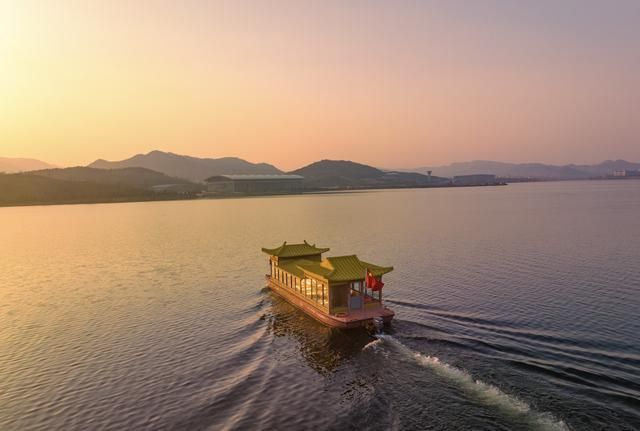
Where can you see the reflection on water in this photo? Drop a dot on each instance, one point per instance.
(323, 348)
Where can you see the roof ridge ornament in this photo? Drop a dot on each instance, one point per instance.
(295, 250)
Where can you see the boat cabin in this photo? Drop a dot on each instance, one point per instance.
(336, 286)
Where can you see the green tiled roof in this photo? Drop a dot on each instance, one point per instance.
(335, 269)
(348, 268)
(295, 250)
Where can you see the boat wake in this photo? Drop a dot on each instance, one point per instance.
(373, 344)
(484, 393)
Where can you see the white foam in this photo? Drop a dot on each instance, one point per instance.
(373, 344)
(483, 392)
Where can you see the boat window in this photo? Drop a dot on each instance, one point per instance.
(322, 293)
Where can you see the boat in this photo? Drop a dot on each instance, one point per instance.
(339, 291)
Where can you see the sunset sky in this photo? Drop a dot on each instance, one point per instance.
(388, 83)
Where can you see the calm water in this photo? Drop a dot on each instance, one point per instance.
(517, 309)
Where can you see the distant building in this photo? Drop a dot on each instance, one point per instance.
(254, 184)
(626, 173)
(474, 180)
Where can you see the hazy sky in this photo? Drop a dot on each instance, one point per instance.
(389, 83)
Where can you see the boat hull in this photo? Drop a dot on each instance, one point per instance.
(352, 320)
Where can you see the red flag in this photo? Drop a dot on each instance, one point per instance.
(373, 283)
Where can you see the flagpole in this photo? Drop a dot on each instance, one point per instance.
(366, 283)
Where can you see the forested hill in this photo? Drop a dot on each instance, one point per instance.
(334, 174)
(85, 185)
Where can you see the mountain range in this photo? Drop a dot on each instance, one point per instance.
(11, 165)
(160, 175)
(344, 173)
(187, 167)
(530, 170)
(198, 169)
(89, 184)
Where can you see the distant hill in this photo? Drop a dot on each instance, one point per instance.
(333, 174)
(134, 177)
(187, 167)
(88, 185)
(338, 168)
(11, 165)
(29, 189)
(530, 170)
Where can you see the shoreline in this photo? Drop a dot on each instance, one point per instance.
(302, 193)
(239, 195)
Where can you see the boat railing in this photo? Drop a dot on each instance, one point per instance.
(298, 293)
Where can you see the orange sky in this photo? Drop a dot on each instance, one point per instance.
(393, 84)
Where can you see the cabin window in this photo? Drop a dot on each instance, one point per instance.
(316, 288)
(322, 294)
(307, 287)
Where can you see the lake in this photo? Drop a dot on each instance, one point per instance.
(517, 308)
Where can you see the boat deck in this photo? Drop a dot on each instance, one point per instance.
(353, 319)
(365, 315)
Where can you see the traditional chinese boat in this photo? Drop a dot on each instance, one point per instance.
(339, 291)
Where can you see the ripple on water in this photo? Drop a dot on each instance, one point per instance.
(151, 315)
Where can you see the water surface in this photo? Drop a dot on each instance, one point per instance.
(517, 309)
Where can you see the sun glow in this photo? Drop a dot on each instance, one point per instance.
(385, 85)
